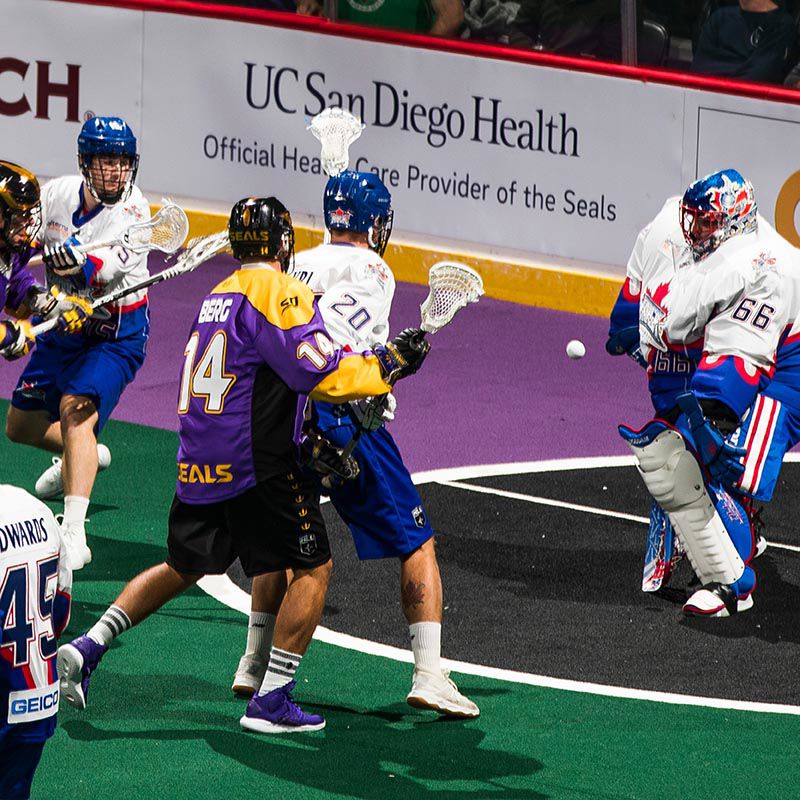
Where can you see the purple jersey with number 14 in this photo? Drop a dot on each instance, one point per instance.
(257, 348)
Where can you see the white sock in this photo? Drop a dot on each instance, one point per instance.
(109, 626)
(426, 644)
(281, 669)
(75, 509)
(259, 633)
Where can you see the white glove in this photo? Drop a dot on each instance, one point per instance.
(374, 412)
(64, 259)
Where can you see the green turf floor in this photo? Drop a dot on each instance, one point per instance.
(161, 722)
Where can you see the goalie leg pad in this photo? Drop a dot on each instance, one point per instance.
(674, 479)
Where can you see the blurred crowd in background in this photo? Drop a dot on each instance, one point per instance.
(748, 40)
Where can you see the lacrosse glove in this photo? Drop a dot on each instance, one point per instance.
(15, 340)
(722, 459)
(374, 411)
(324, 458)
(64, 259)
(74, 312)
(404, 355)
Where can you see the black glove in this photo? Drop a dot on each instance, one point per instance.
(64, 259)
(404, 355)
(324, 458)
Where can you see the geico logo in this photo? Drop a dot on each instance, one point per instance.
(32, 705)
(14, 102)
(202, 473)
(215, 310)
(785, 207)
(249, 236)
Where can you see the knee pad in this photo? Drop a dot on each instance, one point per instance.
(674, 479)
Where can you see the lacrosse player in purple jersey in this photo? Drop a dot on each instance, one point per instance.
(71, 385)
(381, 505)
(20, 296)
(257, 350)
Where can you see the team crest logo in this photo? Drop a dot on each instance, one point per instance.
(379, 270)
(340, 217)
(419, 517)
(652, 315)
(764, 261)
(308, 544)
(28, 389)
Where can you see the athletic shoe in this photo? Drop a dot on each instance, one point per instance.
(716, 600)
(50, 486)
(73, 538)
(761, 546)
(249, 674)
(276, 712)
(76, 662)
(437, 692)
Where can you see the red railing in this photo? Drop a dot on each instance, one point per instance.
(464, 47)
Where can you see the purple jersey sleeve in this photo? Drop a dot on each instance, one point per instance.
(16, 283)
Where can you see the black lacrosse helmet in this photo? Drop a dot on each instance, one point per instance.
(19, 207)
(261, 227)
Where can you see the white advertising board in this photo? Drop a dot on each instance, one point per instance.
(483, 151)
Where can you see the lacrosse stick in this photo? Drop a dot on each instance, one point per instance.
(451, 287)
(165, 231)
(336, 130)
(197, 252)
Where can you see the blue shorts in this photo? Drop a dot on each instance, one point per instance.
(770, 429)
(381, 506)
(63, 365)
(18, 762)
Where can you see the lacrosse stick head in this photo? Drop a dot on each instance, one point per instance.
(451, 287)
(166, 231)
(200, 249)
(336, 130)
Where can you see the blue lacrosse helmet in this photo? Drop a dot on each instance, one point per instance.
(715, 208)
(359, 201)
(108, 136)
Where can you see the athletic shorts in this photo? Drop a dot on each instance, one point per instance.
(274, 525)
(18, 762)
(381, 507)
(770, 429)
(99, 370)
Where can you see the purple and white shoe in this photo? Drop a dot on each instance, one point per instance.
(76, 662)
(276, 712)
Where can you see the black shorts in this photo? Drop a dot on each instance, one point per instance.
(273, 526)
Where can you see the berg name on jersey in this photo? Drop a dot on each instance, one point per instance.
(22, 534)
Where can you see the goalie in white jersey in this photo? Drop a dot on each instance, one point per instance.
(35, 597)
(66, 394)
(713, 319)
(380, 505)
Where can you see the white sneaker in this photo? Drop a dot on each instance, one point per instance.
(249, 675)
(78, 553)
(50, 486)
(716, 600)
(437, 692)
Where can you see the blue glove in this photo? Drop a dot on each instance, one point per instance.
(722, 459)
(64, 259)
(626, 340)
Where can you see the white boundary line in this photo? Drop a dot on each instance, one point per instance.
(228, 593)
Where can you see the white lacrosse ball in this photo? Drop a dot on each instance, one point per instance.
(576, 349)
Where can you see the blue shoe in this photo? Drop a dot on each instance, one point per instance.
(276, 712)
(76, 663)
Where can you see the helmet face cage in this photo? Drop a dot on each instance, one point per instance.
(261, 227)
(715, 208)
(19, 206)
(359, 201)
(108, 159)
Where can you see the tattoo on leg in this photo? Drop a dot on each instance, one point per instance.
(413, 594)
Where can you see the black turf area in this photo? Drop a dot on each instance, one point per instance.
(557, 592)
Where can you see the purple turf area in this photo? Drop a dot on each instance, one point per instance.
(497, 386)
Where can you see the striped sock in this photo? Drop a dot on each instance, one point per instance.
(281, 669)
(109, 626)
